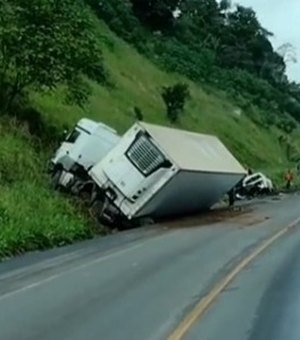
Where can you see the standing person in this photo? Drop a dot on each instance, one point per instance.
(289, 177)
(231, 196)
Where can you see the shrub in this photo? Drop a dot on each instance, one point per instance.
(44, 46)
(138, 113)
(175, 98)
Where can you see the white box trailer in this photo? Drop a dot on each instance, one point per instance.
(157, 171)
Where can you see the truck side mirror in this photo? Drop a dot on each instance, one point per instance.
(65, 133)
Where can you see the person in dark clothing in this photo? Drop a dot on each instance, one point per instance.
(231, 196)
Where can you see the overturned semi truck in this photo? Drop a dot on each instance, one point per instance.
(155, 172)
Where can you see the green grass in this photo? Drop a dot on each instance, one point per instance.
(34, 217)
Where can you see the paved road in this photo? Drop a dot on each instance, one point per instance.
(262, 303)
(139, 285)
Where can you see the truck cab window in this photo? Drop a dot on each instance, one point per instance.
(73, 136)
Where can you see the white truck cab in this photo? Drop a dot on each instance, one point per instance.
(83, 147)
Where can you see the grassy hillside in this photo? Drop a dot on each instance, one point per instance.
(32, 216)
(138, 83)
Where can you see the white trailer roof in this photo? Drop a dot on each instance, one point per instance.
(194, 151)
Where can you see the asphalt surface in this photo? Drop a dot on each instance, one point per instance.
(141, 284)
(263, 302)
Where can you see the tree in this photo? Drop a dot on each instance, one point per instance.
(157, 14)
(288, 52)
(44, 44)
(175, 98)
(120, 18)
(225, 5)
(245, 43)
(204, 17)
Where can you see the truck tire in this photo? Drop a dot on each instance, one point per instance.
(55, 179)
(96, 209)
(85, 193)
(136, 223)
(85, 197)
(145, 221)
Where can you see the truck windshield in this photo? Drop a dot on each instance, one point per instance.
(73, 136)
(145, 156)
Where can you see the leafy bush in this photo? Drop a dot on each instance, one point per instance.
(178, 57)
(138, 114)
(44, 45)
(156, 14)
(119, 17)
(175, 98)
(286, 125)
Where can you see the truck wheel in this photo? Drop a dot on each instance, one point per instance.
(96, 209)
(85, 193)
(55, 179)
(85, 197)
(144, 221)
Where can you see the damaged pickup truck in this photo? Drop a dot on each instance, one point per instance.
(254, 185)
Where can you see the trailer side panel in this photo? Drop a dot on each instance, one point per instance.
(188, 193)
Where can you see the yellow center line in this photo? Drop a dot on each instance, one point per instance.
(201, 307)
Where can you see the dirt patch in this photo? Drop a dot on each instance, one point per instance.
(211, 217)
(249, 220)
(242, 216)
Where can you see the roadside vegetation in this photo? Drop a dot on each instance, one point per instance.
(109, 61)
